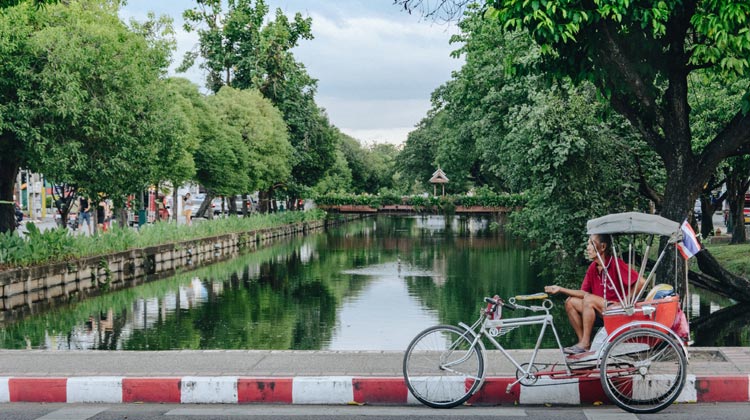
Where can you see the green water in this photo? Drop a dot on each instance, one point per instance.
(369, 285)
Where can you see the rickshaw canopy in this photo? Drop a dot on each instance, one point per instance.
(632, 222)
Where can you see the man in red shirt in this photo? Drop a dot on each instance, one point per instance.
(601, 285)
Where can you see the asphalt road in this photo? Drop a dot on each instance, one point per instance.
(29, 411)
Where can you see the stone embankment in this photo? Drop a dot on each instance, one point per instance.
(26, 290)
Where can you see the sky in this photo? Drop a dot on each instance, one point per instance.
(376, 65)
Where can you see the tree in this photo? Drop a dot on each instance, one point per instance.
(262, 130)
(242, 52)
(639, 55)
(416, 162)
(81, 100)
(338, 178)
(382, 161)
(712, 104)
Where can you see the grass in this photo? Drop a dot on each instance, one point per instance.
(59, 245)
(735, 258)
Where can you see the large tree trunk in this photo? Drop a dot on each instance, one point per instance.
(736, 187)
(205, 209)
(8, 173)
(679, 195)
(231, 203)
(175, 200)
(266, 203)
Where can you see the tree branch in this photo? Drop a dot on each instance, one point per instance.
(650, 135)
(733, 140)
(615, 58)
(644, 188)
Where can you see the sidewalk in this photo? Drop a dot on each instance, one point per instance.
(309, 377)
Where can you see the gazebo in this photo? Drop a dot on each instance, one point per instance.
(438, 177)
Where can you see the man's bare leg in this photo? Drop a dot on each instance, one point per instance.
(574, 308)
(592, 305)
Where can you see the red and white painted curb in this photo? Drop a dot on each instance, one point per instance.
(328, 390)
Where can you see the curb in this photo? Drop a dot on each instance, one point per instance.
(333, 390)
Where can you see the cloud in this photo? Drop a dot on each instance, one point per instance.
(376, 57)
(393, 135)
(376, 75)
(376, 65)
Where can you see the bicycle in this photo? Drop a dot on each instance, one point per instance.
(640, 361)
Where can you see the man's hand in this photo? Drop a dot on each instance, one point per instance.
(552, 289)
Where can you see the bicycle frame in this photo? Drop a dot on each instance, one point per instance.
(490, 328)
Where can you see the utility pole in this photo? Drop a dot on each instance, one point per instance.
(18, 190)
(30, 194)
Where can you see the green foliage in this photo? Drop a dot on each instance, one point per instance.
(641, 55)
(372, 167)
(551, 147)
(344, 199)
(59, 245)
(95, 102)
(249, 51)
(338, 178)
(51, 244)
(486, 198)
(257, 124)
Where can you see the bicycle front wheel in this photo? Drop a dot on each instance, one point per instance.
(643, 370)
(442, 368)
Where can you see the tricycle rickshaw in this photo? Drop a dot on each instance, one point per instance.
(638, 357)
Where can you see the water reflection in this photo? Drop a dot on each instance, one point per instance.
(370, 285)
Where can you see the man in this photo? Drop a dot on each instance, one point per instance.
(600, 284)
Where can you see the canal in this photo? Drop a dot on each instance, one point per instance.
(368, 285)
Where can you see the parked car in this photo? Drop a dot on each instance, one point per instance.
(216, 204)
(198, 199)
(250, 204)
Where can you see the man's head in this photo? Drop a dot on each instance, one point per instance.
(601, 244)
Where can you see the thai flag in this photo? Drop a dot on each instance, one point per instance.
(690, 245)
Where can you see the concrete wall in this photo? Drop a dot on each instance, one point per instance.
(26, 290)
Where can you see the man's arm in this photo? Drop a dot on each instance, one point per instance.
(568, 292)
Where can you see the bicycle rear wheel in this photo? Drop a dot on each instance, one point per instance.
(643, 370)
(441, 367)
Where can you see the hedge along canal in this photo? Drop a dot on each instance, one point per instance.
(33, 289)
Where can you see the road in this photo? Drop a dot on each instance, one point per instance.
(29, 411)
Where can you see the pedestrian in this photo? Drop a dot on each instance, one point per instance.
(187, 208)
(85, 211)
(102, 211)
(725, 210)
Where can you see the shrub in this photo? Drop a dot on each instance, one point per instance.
(59, 245)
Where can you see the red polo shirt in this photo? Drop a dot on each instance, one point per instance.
(594, 280)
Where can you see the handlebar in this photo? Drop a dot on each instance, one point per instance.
(504, 304)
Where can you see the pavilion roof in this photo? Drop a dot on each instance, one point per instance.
(439, 177)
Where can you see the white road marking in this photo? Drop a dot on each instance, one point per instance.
(369, 411)
(609, 414)
(73, 413)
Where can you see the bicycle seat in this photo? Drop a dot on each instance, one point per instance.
(535, 296)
